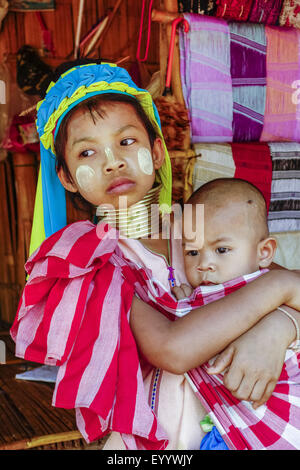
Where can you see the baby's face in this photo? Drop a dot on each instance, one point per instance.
(111, 156)
(229, 248)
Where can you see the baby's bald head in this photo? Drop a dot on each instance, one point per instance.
(238, 194)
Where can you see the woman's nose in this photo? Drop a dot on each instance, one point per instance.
(112, 164)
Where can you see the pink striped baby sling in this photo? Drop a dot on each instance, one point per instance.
(74, 313)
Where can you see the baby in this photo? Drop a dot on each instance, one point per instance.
(236, 238)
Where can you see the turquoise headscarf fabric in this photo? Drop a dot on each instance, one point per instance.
(75, 85)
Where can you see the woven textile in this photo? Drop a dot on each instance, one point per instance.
(205, 78)
(274, 168)
(90, 284)
(253, 163)
(201, 7)
(265, 11)
(244, 91)
(280, 121)
(215, 161)
(248, 73)
(273, 426)
(284, 214)
(237, 10)
(290, 13)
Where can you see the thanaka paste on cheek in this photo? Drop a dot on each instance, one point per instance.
(86, 178)
(145, 161)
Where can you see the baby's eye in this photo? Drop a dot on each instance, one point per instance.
(87, 153)
(127, 141)
(192, 253)
(221, 250)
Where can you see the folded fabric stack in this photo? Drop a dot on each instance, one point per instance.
(282, 12)
(275, 169)
(240, 80)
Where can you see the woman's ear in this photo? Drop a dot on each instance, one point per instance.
(158, 153)
(65, 181)
(266, 251)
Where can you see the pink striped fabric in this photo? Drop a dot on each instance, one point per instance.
(74, 313)
(281, 114)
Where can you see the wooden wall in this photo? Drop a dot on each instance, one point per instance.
(121, 40)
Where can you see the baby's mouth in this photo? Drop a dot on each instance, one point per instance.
(208, 283)
(120, 185)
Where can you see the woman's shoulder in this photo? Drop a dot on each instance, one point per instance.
(77, 242)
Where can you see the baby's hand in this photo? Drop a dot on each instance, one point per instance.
(254, 361)
(182, 291)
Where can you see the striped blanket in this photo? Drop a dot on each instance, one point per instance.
(248, 72)
(74, 313)
(239, 80)
(206, 79)
(273, 167)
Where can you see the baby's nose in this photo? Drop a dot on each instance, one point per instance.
(206, 264)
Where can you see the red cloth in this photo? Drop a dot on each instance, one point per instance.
(237, 10)
(253, 163)
(74, 313)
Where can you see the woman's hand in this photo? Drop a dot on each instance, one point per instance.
(254, 360)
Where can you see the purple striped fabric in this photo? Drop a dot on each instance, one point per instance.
(206, 79)
(248, 72)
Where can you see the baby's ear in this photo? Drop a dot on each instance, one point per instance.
(158, 153)
(65, 181)
(266, 251)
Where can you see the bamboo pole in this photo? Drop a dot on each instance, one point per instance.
(78, 29)
(42, 441)
(110, 20)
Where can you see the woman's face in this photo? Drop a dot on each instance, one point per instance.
(110, 156)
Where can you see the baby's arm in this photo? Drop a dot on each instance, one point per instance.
(190, 341)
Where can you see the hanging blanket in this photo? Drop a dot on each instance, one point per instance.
(282, 70)
(213, 161)
(248, 73)
(284, 214)
(206, 79)
(240, 81)
(265, 11)
(290, 13)
(74, 313)
(253, 163)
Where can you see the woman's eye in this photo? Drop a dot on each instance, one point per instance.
(87, 153)
(192, 253)
(127, 141)
(221, 250)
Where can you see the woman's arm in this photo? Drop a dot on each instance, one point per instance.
(189, 341)
(254, 360)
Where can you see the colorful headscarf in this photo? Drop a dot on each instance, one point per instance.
(78, 84)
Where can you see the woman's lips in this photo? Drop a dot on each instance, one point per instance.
(120, 185)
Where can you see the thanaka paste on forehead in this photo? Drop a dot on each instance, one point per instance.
(86, 178)
(145, 161)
